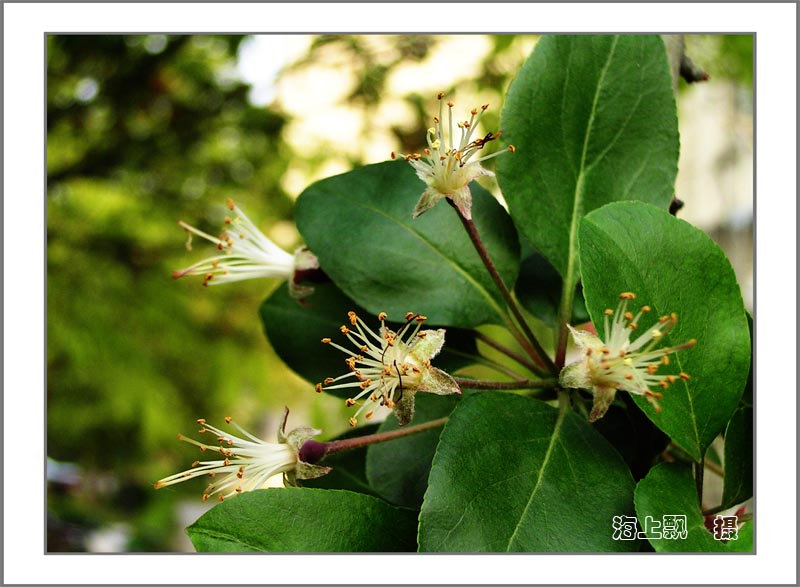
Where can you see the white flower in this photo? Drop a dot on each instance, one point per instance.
(248, 462)
(244, 253)
(390, 367)
(447, 167)
(618, 362)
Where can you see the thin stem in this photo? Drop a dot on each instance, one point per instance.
(525, 384)
(505, 350)
(699, 468)
(538, 354)
(498, 367)
(335, 446)
(715, 468)
(564, 317)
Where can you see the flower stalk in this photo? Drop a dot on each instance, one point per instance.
(529, 342)
(313, 451)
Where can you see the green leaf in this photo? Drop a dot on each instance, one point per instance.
(296, 330)
(669, 489)
(359, 225)
(593, 120)
(398, 470)
(672, 266)
(304, 520)
(738, 483)
(348, 466)
(514, 474)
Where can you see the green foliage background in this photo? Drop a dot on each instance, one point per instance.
(143, 131)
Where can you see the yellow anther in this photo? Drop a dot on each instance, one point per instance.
(420, 318)
(344, 329)
(645, 309)
(349, 402)
(440, 95)
(201, 420)
(318, 388)
(665, 360)
(328, 380)
(353, 318)
(684, 376)
(229, 203)
(353, 422)
(194, 464)
(608, 311)
(633, 326)
(368, 415)
(512, 148)
(627, 295)
(409, 315)
(628, 316)
(228, 419)
(382, 316)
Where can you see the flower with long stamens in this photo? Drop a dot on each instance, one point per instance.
(246, 253)
(247, 462)
(449, 163)
(621, 363)
(389, 367)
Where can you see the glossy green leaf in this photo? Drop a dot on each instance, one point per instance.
(593, 120)
(349, 467)
(738, 482)
(515, 474)
(398, 470)
(360, 227)
(295, 331)
(669, 490)
(673, 267)
(304, 520)
(739, 447)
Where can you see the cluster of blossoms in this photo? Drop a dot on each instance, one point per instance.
(389, 367)
(621, 363)
(447, 167)
(246, 253)
(248, 462)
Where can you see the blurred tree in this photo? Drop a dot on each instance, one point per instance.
(143, 130)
